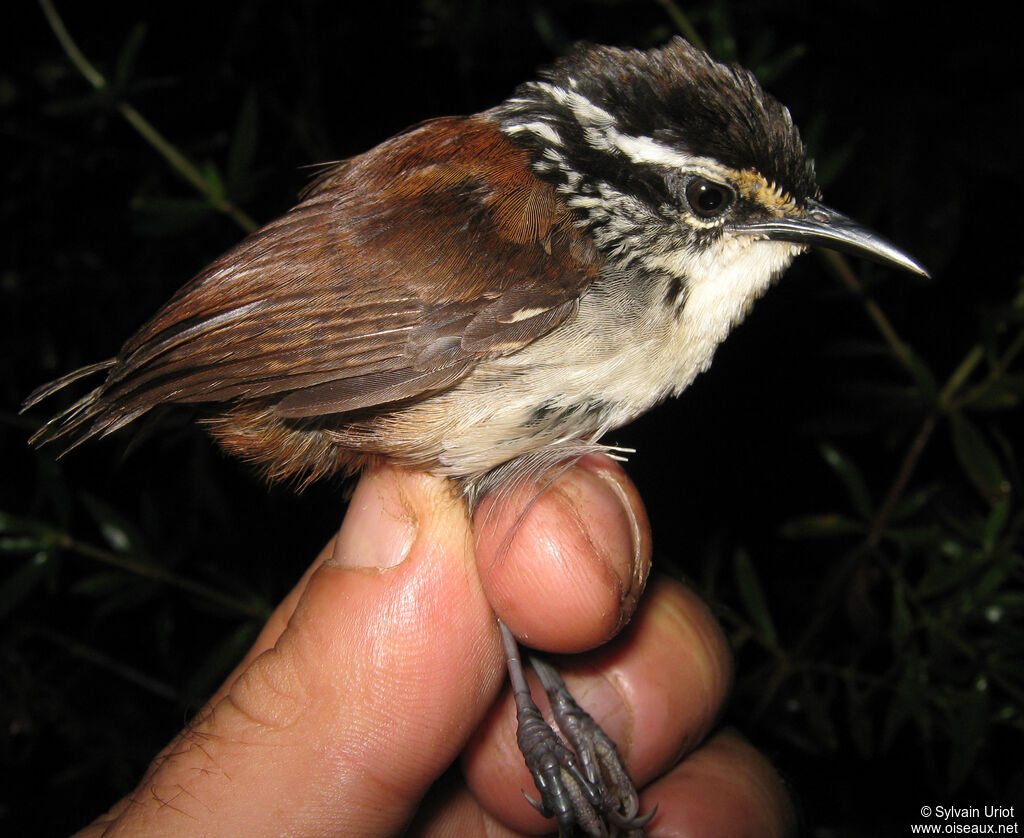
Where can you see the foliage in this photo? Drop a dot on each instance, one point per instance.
(844, 485)
(910, 630)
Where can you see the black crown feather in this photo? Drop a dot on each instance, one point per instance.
(681, 98)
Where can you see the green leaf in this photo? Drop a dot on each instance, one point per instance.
(120, 533)
(922, 375)
(995, 524)
(909, 703)
(753, 598)
(861, 727)
(243, 143)
(22, 544)
(829, 525)
(914, 502)
(772, 65)
(100, 585)
(902, 619)
(211, 174)
(17, 524)
(829, 158)
(817, 706)
(849, 474)
(856, 347)
(168, 216)
(968, 732)
(943, 576)
(16, 588)
(977, 458)
(1002, 393)
(992, 580)
(126, 60)
(722, 41)
(910, 538)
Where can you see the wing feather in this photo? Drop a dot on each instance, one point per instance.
(399, 272)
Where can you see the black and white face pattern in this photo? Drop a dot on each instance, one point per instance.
(660, 152)
(665, 156)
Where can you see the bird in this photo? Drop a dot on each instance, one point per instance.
(485, 297)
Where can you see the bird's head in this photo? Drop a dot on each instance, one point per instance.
(680, 166)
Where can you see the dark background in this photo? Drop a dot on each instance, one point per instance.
(878, 643)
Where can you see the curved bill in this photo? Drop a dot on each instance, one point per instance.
(825, 227)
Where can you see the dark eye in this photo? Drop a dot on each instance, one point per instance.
(707, 198)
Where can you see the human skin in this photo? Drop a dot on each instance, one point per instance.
(371, 703)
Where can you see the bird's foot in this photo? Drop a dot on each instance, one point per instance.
(581, 780)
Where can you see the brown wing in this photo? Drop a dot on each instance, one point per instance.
(401, 270)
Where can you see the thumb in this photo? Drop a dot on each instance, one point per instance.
(385, 667)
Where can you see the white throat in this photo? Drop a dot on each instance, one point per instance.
(722, 285)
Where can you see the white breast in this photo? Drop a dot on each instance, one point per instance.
(620, 352)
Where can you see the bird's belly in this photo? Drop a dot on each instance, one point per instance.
(534, 405)
(557, 396)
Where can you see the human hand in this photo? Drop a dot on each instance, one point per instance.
(383, 664)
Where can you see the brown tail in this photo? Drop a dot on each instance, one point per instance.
(88, 417)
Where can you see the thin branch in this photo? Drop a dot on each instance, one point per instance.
(899, 484)
(997, 370)
(683, 23)
(94, 656)
(846, 275)
(184, 167)
(902, 352)
(156, 573)
(960, 375)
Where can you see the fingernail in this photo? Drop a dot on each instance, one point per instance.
(380, 526)
(613, 479)
(634, 576)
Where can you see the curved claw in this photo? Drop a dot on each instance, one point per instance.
(582, 782)
(632, 821)
(619, 802)
(565, 794)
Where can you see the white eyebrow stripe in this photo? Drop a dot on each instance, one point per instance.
(599, 128)
(541, 129)
(647, 150)
(585, 111)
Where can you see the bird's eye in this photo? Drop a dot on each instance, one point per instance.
(707, 198)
